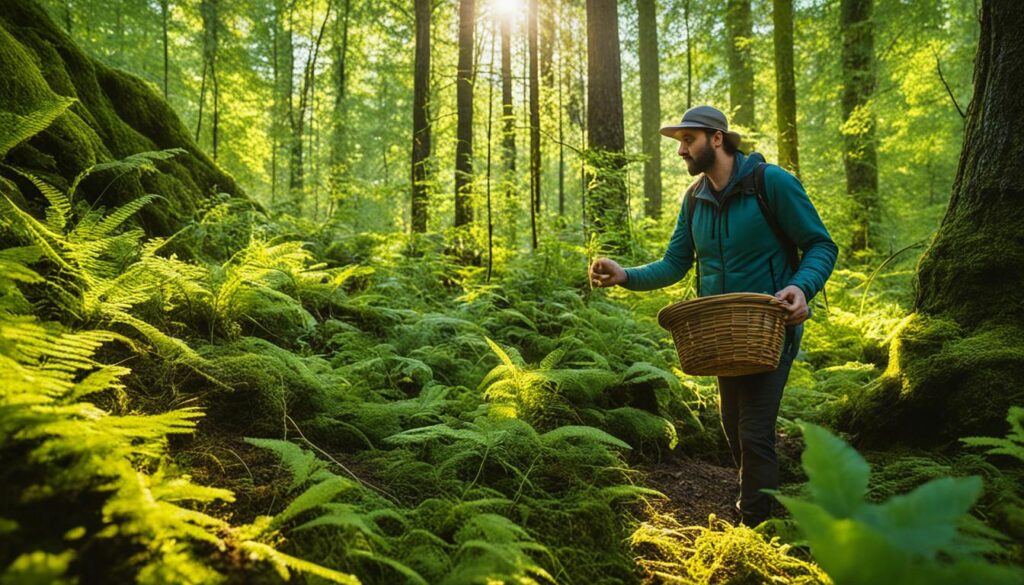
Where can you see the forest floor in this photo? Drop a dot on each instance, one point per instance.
(695, 489)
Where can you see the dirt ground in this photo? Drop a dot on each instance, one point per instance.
(695, 489)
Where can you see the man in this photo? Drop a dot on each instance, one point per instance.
(739, 251)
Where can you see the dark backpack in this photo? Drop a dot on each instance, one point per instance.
(751, 184)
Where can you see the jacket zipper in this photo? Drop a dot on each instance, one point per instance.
(721, 252)
(771, 269)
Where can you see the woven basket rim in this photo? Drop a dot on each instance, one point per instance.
(671, 313)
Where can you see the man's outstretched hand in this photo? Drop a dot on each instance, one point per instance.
(793, 300)
(605, 273)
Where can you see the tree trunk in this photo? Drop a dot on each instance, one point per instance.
(957, 364)
(785, 84)
(606, 202)
(340, 57)
(531, 33)
(163, 15)
(650, 106)
(740, 31)
(547, 43)
(508, 133)
(858, 129)
(420, 117)
(689, 55)
(464, 108)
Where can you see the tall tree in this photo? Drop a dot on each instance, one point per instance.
(164, 9)
(739, 29)
(606, 201)
(650, 106)
(960, 358)
(340, 81)
(464, 108)
(785, 85)
(211, 23)
(420, 117)
(547, 42)
(302, 107)
(689, 55)
(531, 33)
(858, 129)
(508, 132)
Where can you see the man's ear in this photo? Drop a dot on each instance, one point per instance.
(717, 139)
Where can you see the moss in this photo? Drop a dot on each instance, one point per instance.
(641, 429)
(116, 115)
(268, 382)
(717, 554)
(942, 383)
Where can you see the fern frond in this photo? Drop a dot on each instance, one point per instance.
(582, 432)
(15, 129)
(315, 496)
(301, 463)
(142, 161)
(282, 562)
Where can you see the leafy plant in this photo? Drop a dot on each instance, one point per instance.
(918, 537)
(1012, 445)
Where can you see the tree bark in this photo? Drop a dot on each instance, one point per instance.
(858, 129)
(606, 201)
(464, 109)
(340, 80)
(547, 42)
(531, 34)
(739, 33)
(420, 117)
(957, 362)
(508, 133)
(163, 16)
(785, 86)
(650, 105)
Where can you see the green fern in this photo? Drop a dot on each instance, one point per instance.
(301, 463)
(283, 564)
(15, 129)
(1012, 445)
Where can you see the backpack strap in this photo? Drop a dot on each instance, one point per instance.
(792, 252)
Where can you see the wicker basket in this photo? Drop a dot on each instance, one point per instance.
(727, 335)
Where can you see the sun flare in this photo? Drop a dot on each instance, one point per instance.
(508, 7)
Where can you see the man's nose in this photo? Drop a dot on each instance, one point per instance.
(682, 149)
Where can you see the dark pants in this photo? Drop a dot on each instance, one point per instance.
(749, 406)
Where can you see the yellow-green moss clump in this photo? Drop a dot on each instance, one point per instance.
(114, 115)
(942, 383)
(719, 554)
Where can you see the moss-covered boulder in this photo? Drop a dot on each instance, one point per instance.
(942, 383)
(113, 115)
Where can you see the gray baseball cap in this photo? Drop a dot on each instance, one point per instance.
(703, 117)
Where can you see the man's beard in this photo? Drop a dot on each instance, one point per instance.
(704, 160)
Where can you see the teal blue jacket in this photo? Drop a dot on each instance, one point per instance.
(737, 249)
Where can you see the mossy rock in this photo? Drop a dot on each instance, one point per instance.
(115, 115)
(267, 383)
(942, 383)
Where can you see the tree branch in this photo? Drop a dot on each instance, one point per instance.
(938, 68)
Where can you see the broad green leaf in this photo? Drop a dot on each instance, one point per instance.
(838, 474)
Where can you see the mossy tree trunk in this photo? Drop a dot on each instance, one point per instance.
(464, 108)
(606, 206)
(420, 117)
(531, 33)
(785, 83)
(650, 106)
(116, 115)
(739, 26)
(858, 129)
(508, 131)
(957, 364)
